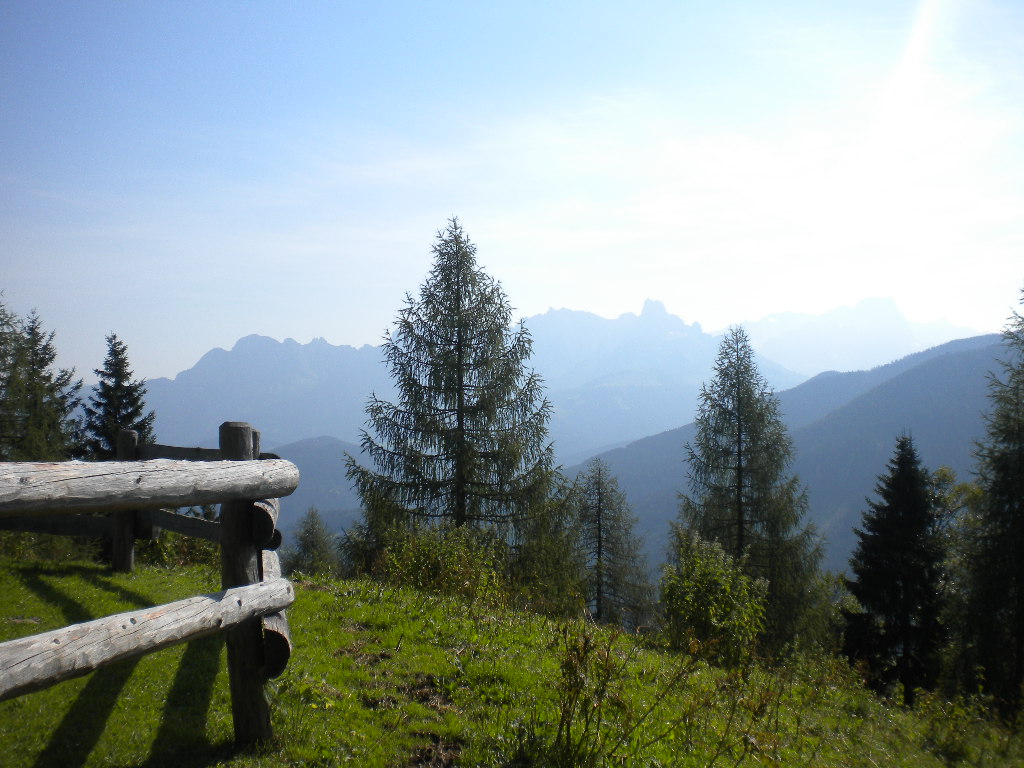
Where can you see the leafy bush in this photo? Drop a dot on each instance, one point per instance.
(174, 550)
(45, 547)
(710, 606)
(446, 560)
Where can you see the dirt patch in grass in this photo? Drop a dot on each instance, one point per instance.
(437, 754)
(428, 691)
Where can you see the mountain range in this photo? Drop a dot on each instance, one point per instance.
(844, 428)
(620, 388)
(610, 381)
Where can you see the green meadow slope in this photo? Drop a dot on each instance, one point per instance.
(383, 676)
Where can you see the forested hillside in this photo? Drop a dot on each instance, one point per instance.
(843, 426)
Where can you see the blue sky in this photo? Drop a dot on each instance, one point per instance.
(188, 173)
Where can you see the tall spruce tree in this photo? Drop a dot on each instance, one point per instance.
(741, 493)
(118, 402)
(996, 574)
(616, 570)
(897, 565)
(37, 400)
(467, 440)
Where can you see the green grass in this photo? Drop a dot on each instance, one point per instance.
(392, 677)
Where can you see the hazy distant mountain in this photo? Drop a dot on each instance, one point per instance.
(844, 426)
(612, 381)
(609, 382)
(322, 482)
(846, 339)
(289, 391)
(939, 402)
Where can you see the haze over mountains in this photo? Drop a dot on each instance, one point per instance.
(624, 388)
(610, 380)
(848, 338)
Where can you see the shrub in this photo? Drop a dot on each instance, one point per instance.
(710, 606)
(446, 560)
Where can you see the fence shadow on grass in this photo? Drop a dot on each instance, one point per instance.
(181, 739)
(74, 612)
(83, 724)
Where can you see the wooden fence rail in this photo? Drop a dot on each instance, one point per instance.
(101, 486)
(32, 663)
(64, 497)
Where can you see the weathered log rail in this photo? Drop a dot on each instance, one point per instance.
(102, 486)
(65, 497)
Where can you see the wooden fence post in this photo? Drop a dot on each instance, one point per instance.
(240, 565)
(123, 541)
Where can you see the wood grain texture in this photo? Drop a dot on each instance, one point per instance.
(240, 564)
(28, 488)
(277, 635)
(31, 663)
(264, 521)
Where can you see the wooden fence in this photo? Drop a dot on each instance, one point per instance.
(138, 491)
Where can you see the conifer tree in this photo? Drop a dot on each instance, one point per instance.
(10, 339)
(315, 550)
(741, 493)
(616, 572)
(547, 567)
(117, 403)
(37, 420)
(466, 442)
(996, 581)
(897, 566)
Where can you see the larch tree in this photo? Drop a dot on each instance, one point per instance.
(741, 493)
(616, 568)
(996, 574)
(37, 421)
(897, 568)
(118, 402)
(466, 442)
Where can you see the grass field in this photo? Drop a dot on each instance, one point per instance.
(392, 677)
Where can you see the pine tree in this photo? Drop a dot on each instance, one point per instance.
(996, 581)
(117, 403)
(10, 340)
(898, 568)
(315, 550)
(617, 581)
(741, 494)
(466, 442)
(37, 420)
